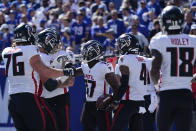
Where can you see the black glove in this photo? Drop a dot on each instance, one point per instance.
(68, 71)
(69, 65)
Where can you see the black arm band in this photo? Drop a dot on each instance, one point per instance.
(123, 87)
(51, 84)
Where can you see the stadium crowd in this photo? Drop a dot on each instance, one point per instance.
(81, 20)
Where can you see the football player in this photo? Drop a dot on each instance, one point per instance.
(174, 55)
(97, 75)
(151, 101)
(22, 62)
(58, 99)
(132, 104)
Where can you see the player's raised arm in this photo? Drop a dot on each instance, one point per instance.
(156, 66)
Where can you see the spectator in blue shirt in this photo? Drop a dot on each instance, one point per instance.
(78, 29)
(193, 9)
(154, 5)
(33, 4)
(53, 22)
(98, 32)
(148, 17)
(142, 9)
(31, 13)
(109, 43)
(19, 3)
(143, 42)
(116, 24)
(141, 28)
(67, 39)
(188, 21)
(95, 5)
(86, 20)
(1, 42)
(42, 25)
(2, 18)
(12, 21)
(4, 6)
(7, 35)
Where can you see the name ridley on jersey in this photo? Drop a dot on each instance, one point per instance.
(178, 56)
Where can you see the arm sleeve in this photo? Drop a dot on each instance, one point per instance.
(108, 68)
(32, 51)
(117, 70)
(155, 44)
(121, 61)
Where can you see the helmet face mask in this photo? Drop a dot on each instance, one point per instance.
(172, 19)
(91, 50)
(127, 43)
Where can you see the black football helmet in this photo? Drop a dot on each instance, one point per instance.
(127, 43)
(172, 19)
(24, 33)
(56, 32)
(48, 40)
(91, 50)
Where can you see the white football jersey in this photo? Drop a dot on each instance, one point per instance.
(137, 77)
(21, 76)
(47, 59)
(94, 78)
(149, 86)
(178, 53)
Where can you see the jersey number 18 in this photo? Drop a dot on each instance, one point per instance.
(185, 68)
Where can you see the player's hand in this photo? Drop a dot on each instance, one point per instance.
(142, 110)
(103, 101)
(112, 106)
(154, 102)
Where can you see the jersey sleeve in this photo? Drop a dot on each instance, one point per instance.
(32, 51)
(108, 68)
(121, 61)
(155, 43)
(83, 67)
(117, 70)
(3, 53)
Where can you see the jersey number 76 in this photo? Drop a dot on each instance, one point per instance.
(18, 67)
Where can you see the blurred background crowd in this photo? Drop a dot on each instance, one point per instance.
(81, 20)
